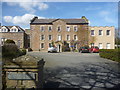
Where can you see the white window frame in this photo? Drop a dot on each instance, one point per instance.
(76, 28)
(109, 32)
(108, 47)
(68, 28)
(49, 38)
(101, 32)
(42, 28)
(49, 44)
(93, 33)
(43, 37)
(100, 47)
(41, 45)
(59, 38)
(49, 28)
(67, 37)
(74, 37)
(59, 28)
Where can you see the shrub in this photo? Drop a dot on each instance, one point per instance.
(29, 49)
(22, 51)
(9, 41)
(112, 54)
(10, 51)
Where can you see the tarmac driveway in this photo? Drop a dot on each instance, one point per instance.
(79, 70)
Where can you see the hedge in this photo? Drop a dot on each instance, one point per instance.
(112, 54)
(11, 51)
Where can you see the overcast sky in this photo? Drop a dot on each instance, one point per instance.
(98, 13)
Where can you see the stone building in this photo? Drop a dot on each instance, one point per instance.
(46, 31)
(14, 33)
(104, 37)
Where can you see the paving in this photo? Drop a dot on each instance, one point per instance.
(86, 71)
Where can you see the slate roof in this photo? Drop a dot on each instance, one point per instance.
(49, 21)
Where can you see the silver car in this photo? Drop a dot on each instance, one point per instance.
(52, 49)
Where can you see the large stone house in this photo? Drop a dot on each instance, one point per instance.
(46, 31)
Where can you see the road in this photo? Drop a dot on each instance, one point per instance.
(79, 70)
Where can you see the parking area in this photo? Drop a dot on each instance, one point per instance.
(79, 70)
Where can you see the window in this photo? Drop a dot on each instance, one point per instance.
(50, 28)
(108, 46)
(100, 46)
(42, 45)
(92, 44)
(92, 32)
(108, 32)
(18, 43)
(50, 44)
(100, 32)
(75, 37)
(4, 30)
(59, 37)
(68, 37)
(42, 37)
(15, 30)
(42, 28)
(68, 28)
(58, 28)
(75, 28)
(50, 37)
(2, 41)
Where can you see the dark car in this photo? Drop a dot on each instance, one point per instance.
(84, 50)
(94, 49)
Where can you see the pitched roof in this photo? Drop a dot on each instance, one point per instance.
(49, 21)
(9, 27)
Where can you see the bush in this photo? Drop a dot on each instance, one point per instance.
(22, 51)
(29, 49)
(9, 41)
(10, 51)
(112, 54)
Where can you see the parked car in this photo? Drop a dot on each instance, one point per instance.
(52, 49)
(94, 49)
(84, 50)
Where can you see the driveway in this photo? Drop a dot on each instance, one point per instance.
(79, 70)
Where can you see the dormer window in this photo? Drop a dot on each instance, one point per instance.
(13, 30)
(3, 30)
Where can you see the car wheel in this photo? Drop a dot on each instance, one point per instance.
(48, 51)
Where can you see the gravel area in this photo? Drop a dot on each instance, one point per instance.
(79, 70)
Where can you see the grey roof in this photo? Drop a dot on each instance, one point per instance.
(49, 21)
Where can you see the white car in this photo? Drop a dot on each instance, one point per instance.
(52, 49)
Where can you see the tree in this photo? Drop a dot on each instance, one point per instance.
(82, 34)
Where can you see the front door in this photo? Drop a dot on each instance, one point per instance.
(59, 48)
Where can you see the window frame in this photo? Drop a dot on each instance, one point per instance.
(93, 33)
(49, 37)
(76, 28)
(43, 37)
(101, 32)
(107, 32)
